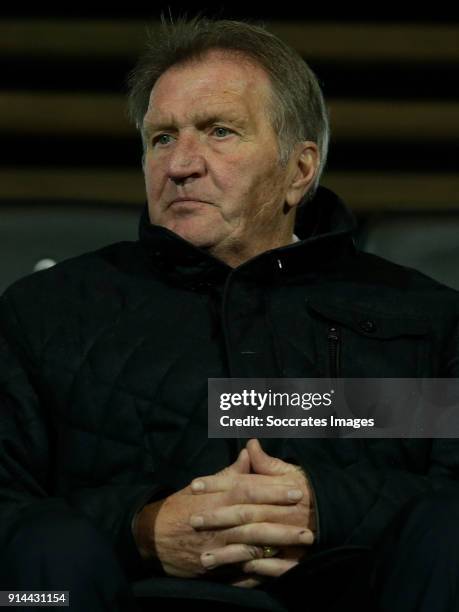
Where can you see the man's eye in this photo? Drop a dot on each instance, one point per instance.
(221, 132)
(162, 139)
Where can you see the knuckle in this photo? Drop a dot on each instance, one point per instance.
(251, 496)
(245, 515)
(255, 552)
(249, 567)
(255, 495)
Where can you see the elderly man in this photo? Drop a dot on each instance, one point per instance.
(243, 269)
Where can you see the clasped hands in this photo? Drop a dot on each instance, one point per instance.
(223, 521)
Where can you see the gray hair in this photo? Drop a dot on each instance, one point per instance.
(297, 110)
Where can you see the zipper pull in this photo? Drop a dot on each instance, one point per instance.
(333, 351)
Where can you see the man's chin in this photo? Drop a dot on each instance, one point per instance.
(200, 235)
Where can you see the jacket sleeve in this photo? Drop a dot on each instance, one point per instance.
(27, 458)
(356, 499)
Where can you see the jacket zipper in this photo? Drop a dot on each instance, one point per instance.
(333, 351)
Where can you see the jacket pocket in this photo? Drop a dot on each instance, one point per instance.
(352, 342)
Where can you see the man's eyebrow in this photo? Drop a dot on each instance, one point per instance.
(201, 120)
(149, 127)
(223, 117)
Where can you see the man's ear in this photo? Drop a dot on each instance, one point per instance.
(304, 165)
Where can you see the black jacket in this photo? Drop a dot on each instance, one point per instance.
(104, 361)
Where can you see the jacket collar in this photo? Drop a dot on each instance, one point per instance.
(324, 226)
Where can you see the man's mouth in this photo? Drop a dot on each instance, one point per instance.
(188, 201)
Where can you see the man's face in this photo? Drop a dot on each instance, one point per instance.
(212, 168)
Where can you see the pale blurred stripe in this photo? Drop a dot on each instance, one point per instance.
(99, 114)
(362, 191)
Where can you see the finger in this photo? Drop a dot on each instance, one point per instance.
(242, 514)
(233, 553)
(269, 567)
(249, 489)
(281, 494)
(241, 465)
(262, 463)
(268, 534)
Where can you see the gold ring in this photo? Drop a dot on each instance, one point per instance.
(269, 551)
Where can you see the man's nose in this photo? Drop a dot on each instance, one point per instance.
(186, 159)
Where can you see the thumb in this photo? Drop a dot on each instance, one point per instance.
(262, 463)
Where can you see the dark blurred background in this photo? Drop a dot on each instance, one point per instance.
(70, 177)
